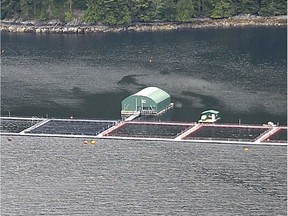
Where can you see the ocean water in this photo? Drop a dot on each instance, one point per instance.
(242, 72)
(64, 176)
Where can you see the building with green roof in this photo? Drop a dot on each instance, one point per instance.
(148, 101)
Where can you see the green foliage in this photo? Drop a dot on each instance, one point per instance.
(92, 12)
(108, 11)
(185, 10)
(223, 9)
(68, 16)
(43, 15)
(10, 9)
(168, 11)
(273, 7)
(80, 5)
(145, 10)
(247, 7)
(204, 8)
(123, 12)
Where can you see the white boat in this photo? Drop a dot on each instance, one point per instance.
(209, 116)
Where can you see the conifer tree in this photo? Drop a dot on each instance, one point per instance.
(185, 10)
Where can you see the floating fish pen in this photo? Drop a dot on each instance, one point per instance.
(279, 136)
(144, 130)
(16, 125)
(149, 130)
(73, 127)
(50, 127)
(229, 133)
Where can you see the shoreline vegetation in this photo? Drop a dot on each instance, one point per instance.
(83, 28)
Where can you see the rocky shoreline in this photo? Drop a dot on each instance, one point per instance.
(83, 28)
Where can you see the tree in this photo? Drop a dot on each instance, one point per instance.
(121, 12)
(92, 13)
(143, 10)
(247, 6)
(25, 8)
(223, 9)
(10, 9)
(113, 12)
(273, 7)
(204, 8)
(116, 12)
(168, 11)
(79, 4)
(185, 10)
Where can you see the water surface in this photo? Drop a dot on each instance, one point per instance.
(242, 72)
(239, 71)
(64, 176)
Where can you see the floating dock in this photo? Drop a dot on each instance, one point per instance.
(136, 130)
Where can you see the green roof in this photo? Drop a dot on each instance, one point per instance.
(210, 111)
(154, 93)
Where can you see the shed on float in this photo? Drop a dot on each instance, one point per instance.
(148, 101)
(209, 116)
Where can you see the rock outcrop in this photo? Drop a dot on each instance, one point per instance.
(69, 28)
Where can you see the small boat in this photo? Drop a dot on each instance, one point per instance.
(209, 116)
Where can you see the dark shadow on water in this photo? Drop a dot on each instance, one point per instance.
(92, 106)
(207, 101)
(108, 106)
(129, 79)
(253, 117)
(189, 113)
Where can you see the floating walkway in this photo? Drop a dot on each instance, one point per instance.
(134, 116)
(136, 130)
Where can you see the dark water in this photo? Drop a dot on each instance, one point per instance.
(63, 176)
(240, 71)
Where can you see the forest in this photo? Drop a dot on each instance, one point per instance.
(125, 12)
